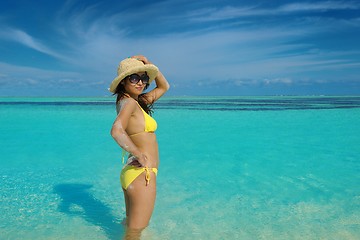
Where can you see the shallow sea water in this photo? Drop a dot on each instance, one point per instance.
(231, 168)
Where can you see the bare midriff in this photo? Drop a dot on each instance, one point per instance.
(147, 144)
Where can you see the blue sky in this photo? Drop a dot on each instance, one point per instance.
(72, 48)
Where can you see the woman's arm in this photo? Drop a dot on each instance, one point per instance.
(162, 85)
(119, 134)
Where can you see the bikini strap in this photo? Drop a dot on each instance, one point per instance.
(147, 175)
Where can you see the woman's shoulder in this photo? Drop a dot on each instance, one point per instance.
(126, 103)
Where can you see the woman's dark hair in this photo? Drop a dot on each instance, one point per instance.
(143, 102)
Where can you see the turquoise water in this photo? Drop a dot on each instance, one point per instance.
(231, 168)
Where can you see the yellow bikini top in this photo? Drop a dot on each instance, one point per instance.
(150, 123)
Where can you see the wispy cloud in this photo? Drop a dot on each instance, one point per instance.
(200, 46)
(25, 39)
(319, 6)
(216, 54)
(19, 75)
(232, 12)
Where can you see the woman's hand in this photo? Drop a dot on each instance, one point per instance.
(142, 58)
(162, 84)
(140, 161)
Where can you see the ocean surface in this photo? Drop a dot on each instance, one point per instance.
(231, 168)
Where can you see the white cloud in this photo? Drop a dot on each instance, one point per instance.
(277, 81)
(29, 81)
(248, 55)
(187, 57)
(18, 75)
(227, 12)
(231, 12)
(99, 43)
(318, 6)
(25, 39)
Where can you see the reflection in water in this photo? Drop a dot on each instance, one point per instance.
(78, 201)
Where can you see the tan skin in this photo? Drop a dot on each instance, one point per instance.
(139, 196)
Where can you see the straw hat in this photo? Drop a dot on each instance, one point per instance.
(130, 66)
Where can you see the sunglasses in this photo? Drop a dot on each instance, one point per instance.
(135, 78)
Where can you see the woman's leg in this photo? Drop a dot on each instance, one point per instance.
(126, 198)
(141, 201)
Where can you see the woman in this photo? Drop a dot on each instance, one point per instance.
(133, 130)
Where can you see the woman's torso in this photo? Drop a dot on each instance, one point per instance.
(145, 141)
(147, 144)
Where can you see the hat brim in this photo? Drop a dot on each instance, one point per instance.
(150, 69)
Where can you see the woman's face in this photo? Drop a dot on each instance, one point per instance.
(135, 83)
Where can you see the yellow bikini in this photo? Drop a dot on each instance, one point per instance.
(130, 173)
(150, 123)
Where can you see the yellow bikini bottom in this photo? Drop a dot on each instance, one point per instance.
(130, 173)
